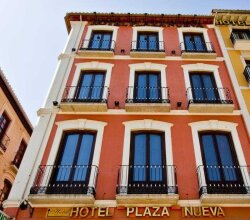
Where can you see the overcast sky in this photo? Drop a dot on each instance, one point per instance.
(33, 33)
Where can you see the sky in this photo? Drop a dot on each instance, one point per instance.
(33, 34)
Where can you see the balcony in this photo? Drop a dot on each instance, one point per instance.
(224, 184)
(95, 48)
(195, 50)
(209, 100)
(241, 40)
(147, 99)
(53, 182)
(4, 142)
(246, 73)
(85, 98)
(147, 184)
(145, 49)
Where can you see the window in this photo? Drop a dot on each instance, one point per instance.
(220, 162)
(73, 165)
(4, 123)
(100, 40)
(147, 41)
(194, 42)
(147, 162)
(91, 86)
(19, 155)
(241, 34)
(5, 191)
(147, 87)
(204, 88)
(246, 72)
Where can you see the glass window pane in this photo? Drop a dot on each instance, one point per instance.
(139, 173)
(106, 41)
(153, 42)
(95, 41)
(199, 44)
(226, 157)
(65, 165)
(154, 88)
(210, 90)
(141, 87)
(198, 93)
(84, 157)
(211, 160)
(189, 44)
(85, 86)
(155, 157)
(97, 86)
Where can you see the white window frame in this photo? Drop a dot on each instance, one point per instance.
(81, 125)
(158, 30)
(92, 28)
(149, 125)
(201, 67)
(147, 66)
(183, 30)
(107, 67)
(215, 125)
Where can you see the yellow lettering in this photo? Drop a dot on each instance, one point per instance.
(137, 213)
(226, 22)
(101, 212)
(220, 212)
(74, 211)
(205, 211)
(219, 22)
(130, 211)
(107, 212)
(93, 212)
(147, 212)
(213, 210)
(188, 211)
(197, 211)
(155, 212)
(84, 212)
(240, 22)
(165, 211)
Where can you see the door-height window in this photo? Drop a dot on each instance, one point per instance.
(241, 34)
(100, 40)
(220, 163)
(4, 123)
(147, 87)
(204, 89)
(19, 155)
(90, 87)
(147, 162)
(74, 162)
(147, 41)
(194, 42)
(5, 192)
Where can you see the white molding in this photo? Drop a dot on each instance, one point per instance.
(201, 67)
(216, 125)
(192, 30)
(79, 124)
(147, 66)
(147, 124)
(92, 28)
(94, 65)
(159, 30)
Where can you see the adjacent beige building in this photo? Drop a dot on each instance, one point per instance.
(15, 131)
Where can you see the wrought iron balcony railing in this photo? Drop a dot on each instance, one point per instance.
(242, 36)
(195, 47)
(247, 73)
(86, 94)
(147, 95)
(147, 179)
(148, 46)
(209, 95)
(214, 179)
(105, 45)
(4, 142)
(65, 179)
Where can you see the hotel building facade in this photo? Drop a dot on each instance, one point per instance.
(15, 132)
(142, 120)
